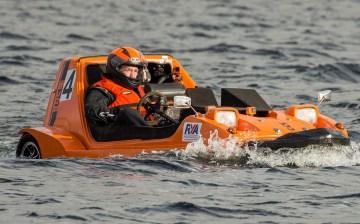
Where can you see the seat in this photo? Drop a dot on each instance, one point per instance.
(94, 72)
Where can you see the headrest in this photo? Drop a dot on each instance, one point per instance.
(94, 72)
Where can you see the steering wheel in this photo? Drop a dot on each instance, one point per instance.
(156, 105)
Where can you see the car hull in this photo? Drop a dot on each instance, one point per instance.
(60, 143)
(242, 114)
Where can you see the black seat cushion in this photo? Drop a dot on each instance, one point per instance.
(94, 72)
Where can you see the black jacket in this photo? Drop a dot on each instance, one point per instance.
(97, 111)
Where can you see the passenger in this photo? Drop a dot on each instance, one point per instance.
(113, 99)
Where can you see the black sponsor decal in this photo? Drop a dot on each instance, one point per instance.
(58, 91)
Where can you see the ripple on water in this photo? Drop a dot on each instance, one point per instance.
(4, 80)
(12, 36)
(338, 72)
(25, 48)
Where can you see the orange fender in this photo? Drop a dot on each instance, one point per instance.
(54, 142)
(326, 122)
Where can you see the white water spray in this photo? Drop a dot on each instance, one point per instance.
(232, 152)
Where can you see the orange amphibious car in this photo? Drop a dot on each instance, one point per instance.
(180, 112)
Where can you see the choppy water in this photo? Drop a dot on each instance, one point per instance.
(287, 50)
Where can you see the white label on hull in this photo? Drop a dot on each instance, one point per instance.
(191, 131)
(69, 83)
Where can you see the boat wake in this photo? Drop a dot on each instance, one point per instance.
(230, 152)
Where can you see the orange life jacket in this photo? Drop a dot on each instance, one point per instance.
(123, 96)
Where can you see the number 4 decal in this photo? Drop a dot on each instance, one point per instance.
(68, 85)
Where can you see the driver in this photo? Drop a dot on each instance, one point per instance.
(113, 99)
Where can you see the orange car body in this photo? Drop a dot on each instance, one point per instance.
(66, 133)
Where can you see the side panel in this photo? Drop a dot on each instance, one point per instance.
(63, 111)
(65, 108)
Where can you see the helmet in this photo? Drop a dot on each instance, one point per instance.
(126, 56)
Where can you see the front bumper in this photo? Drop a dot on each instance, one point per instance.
(320, 136)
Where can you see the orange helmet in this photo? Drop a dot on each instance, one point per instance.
(126, 56)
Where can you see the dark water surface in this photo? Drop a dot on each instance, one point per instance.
(287, 50)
